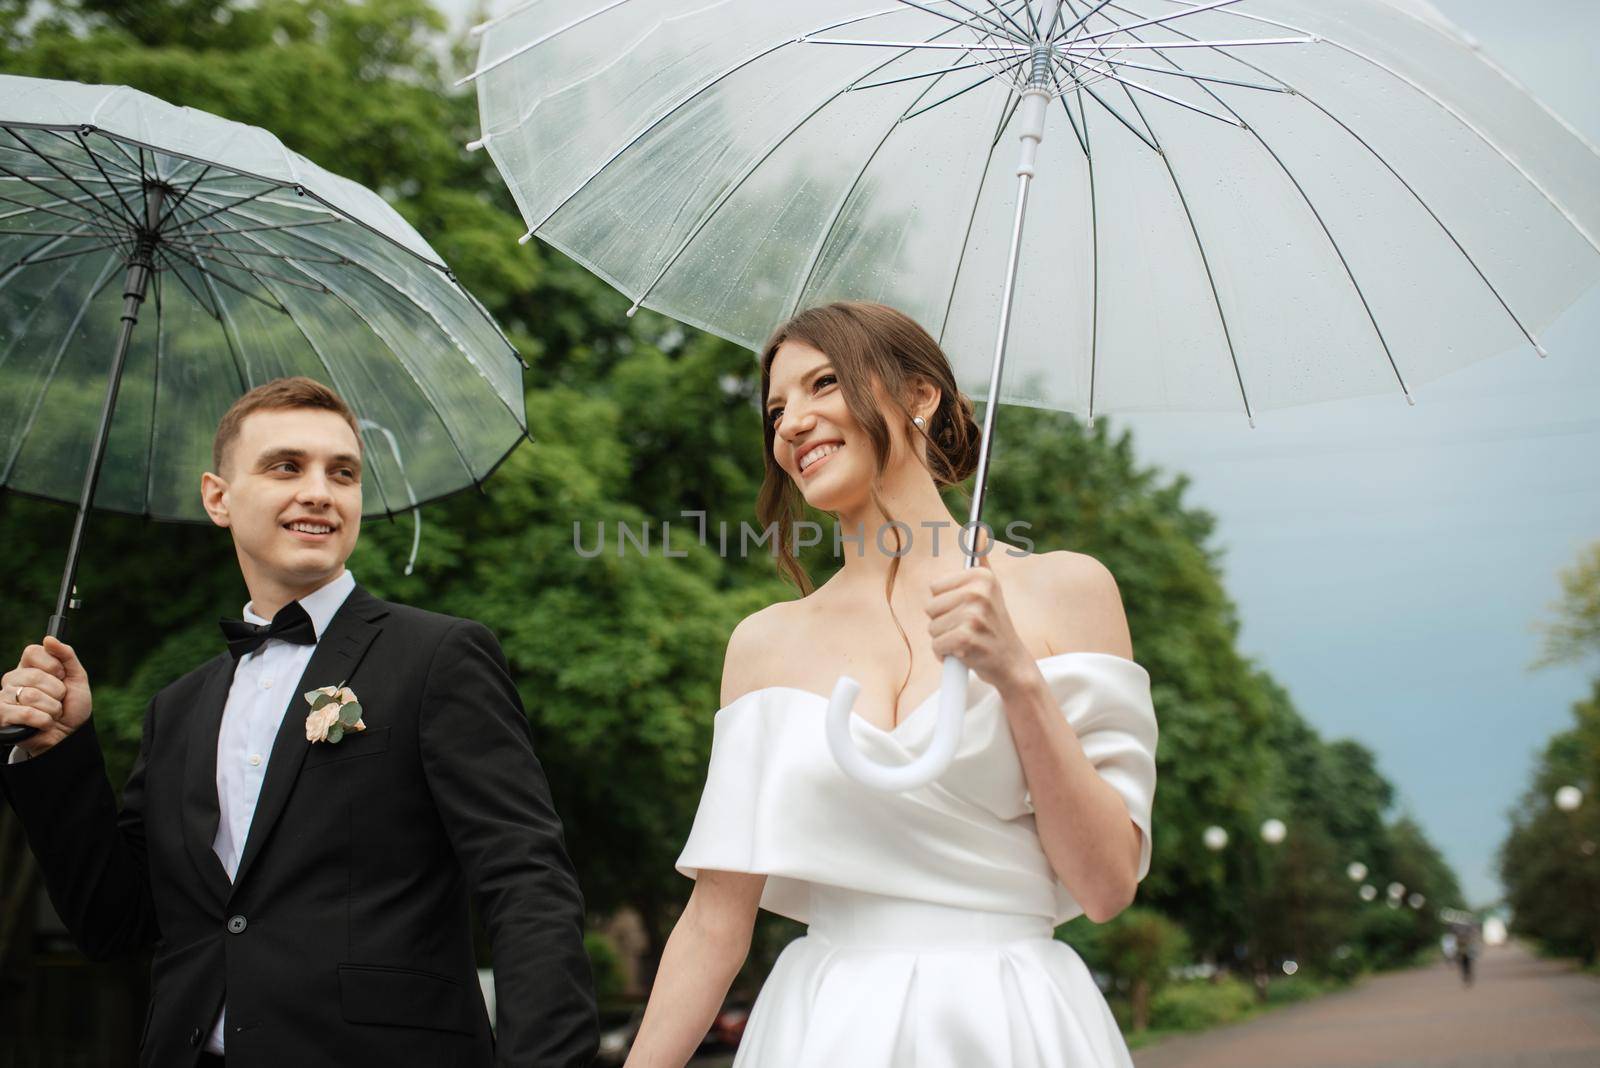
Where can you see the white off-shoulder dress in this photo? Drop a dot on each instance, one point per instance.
(930, 913)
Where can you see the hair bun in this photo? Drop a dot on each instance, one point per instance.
(958, 438)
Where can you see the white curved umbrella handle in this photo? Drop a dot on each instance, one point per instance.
(925, 768)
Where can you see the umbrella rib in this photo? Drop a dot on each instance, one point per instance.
(28, 318)
(229, 335)
(1350, 274)
(728, 194)
(923, 74)
(198, 299)
(238, 265)
(29, 259)
(1211, 281)
(1019, 36)
(100, 211)
(1118, 116)
(172, 208)
(155, 394)
(427, 392)
(274, 304)
(276, 183)
(95, 159)
(1007, 110)
(537, 41)
(54, 164)
(263, 227)
(838, 209)
(437, 322)
(54, 239)
(10, 272)
(1246, 42)
(1000, 9)
(1127, 82)
(952, 96)
(1071, 119)
(136, 164)
(236, 204)
(1441, 104)
(912, 45)
(1179, 72)
(1526, 333)
(254, 252)
(333, 379)
(1081, 19)
(965, 23)
(95, 222)
(676, 107)
(55, 364)
(1094, 252)
(392, 285)
(33, 150)
(1156, 20)
(77, 141)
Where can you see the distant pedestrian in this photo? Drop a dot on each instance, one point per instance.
(1466, 949)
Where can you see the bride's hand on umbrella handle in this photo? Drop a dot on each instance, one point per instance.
(967, 618)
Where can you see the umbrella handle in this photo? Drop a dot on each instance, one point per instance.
(925, 768)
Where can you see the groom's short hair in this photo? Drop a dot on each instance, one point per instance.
(277, 395)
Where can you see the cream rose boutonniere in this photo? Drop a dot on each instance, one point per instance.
(335, 712)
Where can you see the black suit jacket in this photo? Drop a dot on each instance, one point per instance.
(345, 937)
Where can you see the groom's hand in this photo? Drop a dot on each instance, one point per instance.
(47, 690)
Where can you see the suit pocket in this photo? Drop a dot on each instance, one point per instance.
(403, 997)
(370, 742)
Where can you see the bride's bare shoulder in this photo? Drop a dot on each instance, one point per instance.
(1093, 619)
(757, 646)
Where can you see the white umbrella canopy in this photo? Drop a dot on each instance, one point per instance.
(1217, 223)
(1237, 205)
(259, 264)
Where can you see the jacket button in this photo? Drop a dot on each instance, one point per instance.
(194, 1037)
(236, 924)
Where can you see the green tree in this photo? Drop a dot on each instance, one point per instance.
(1549, 861)
(1573, 634)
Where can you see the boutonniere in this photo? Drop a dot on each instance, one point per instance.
(335, 712)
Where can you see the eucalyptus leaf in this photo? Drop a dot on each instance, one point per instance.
(349, 714)
(336, 732)
(318, 700)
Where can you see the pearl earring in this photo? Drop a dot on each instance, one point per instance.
(919, 422)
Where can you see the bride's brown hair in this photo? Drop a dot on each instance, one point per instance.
(868, 343)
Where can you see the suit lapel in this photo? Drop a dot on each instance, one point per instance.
(201, 811)
(338, 653)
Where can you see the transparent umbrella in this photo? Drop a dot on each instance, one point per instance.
(157, 261)
(1233, 206)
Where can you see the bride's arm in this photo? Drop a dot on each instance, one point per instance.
(707, 947)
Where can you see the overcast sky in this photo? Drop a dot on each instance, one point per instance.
(1389, 562)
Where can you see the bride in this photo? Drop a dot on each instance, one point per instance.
(930, 913)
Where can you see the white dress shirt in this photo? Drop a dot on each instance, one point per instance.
(263, 692)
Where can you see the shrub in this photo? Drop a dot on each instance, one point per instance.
(1199, 1004)
(609, 982)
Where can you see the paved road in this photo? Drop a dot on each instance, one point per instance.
(1522, 1011)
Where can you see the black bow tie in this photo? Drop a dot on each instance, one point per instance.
(291, 624)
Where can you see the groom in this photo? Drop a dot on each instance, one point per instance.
(304, 870)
